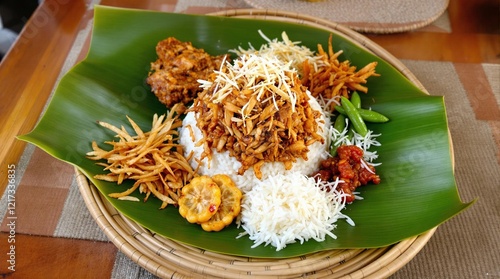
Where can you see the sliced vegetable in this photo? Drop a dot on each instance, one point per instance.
(339, 125)
(366, 114)
(356, 99)
(353, 114)
(372, 116)
(230, 204)
(350, 133)
(200, 200)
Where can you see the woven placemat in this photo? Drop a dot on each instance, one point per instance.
(369, 16)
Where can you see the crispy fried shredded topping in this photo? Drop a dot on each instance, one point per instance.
(258, 110)
(330, 77)
(153, 159)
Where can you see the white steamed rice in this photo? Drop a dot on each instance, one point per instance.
(284, 209)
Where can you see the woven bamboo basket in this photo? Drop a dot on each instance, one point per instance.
(169, 259)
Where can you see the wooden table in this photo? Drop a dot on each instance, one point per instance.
(469, 44)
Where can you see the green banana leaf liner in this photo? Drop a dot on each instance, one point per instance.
(418, 189)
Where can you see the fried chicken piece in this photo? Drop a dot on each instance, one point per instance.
(173, 76)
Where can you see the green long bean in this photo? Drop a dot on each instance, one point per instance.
(354, 116)
(338, 125)
(366, 114)
(356, 99)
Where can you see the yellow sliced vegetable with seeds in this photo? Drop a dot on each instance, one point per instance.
(230, 205)
(200, 200)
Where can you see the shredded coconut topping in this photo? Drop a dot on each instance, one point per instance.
(365, 143)
(287, 51)
(257, 73)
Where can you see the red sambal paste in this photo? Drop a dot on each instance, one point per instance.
(347, 166)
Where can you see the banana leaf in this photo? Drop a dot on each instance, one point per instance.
(418, 190)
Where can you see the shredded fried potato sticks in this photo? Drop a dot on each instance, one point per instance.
(333, 78)
(152, 159)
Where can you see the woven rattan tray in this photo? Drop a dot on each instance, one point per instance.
(169, 259)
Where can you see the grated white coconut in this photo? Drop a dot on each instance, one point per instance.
(364, 142)
(287, 208)
(286, 50)
(257, 73)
